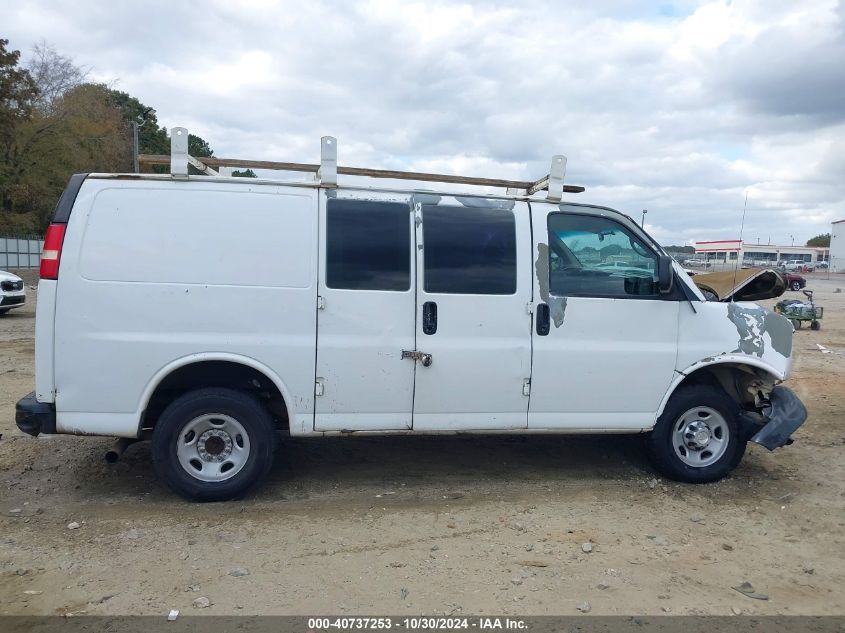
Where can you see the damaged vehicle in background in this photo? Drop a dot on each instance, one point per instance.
(745, 284)
(748, 284)
(316, 309)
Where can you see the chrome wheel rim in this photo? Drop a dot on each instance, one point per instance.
(213, 447)
(700, 437)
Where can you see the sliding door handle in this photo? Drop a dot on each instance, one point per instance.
(543, 325)
(429, 317)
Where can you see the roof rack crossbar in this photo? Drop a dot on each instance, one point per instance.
(326, 172)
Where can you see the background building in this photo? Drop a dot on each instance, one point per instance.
(837, 246)
(725, 253)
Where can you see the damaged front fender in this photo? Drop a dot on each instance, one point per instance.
(779, 420)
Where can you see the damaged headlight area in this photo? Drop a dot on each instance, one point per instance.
(770, 413)
(774, 426)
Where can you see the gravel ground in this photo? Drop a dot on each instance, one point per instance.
(514, 525)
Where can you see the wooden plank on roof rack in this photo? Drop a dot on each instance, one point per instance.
(164, 159)
(532, 187)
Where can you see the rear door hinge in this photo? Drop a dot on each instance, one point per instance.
(526, 387)
(318, 387)
(529, 307)
(321, 303)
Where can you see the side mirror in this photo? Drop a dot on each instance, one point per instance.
(665, 274)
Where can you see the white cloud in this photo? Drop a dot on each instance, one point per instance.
(680, 108)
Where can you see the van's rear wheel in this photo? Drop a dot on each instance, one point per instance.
(213, 444)
(696, 439)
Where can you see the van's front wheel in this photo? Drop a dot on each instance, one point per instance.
(213, 444)
(696, 439)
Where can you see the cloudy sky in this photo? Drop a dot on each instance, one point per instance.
(675, 107)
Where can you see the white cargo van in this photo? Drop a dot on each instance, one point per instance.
(208, 313)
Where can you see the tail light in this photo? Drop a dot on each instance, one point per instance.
(52, 252)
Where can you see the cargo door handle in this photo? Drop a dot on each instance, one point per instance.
(543, 324)
(429, 324)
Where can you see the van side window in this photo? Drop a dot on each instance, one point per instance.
(368, 245)
(469, 250)
(594, 256)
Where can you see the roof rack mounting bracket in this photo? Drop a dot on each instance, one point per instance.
(179, 151)
(556, 173)
(327, 174)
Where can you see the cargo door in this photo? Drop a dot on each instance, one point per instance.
(365, 313)
(473, 326)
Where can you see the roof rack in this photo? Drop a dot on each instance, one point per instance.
(327, 170)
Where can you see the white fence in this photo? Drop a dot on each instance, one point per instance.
(20, 252)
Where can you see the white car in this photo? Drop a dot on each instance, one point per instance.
(207, 313)
(623, 268)
(12, 292)
(798, 266)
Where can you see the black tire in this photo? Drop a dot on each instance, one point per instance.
(815, 325)
(660, 440)
(242, 407)
(795, 323)
(796, 285)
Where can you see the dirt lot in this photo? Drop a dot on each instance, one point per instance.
(431, 525)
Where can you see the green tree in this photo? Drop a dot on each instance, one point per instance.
(53, 123)
(198, 146)
(152, 138)
(246, 173)
(63, 125)
(18, 93)
(822, 240)
(81, 131)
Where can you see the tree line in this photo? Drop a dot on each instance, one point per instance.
(54, 122)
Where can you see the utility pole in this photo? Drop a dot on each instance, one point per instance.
(642, 221)
(135, 149)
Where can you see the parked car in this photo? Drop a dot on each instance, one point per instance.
(822, 265)
(319, 310)
(798, 266)
(697, 263)
(794, 281)
(623, 269)
(12, 292)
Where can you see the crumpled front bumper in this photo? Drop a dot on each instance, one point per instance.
(779, 421)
